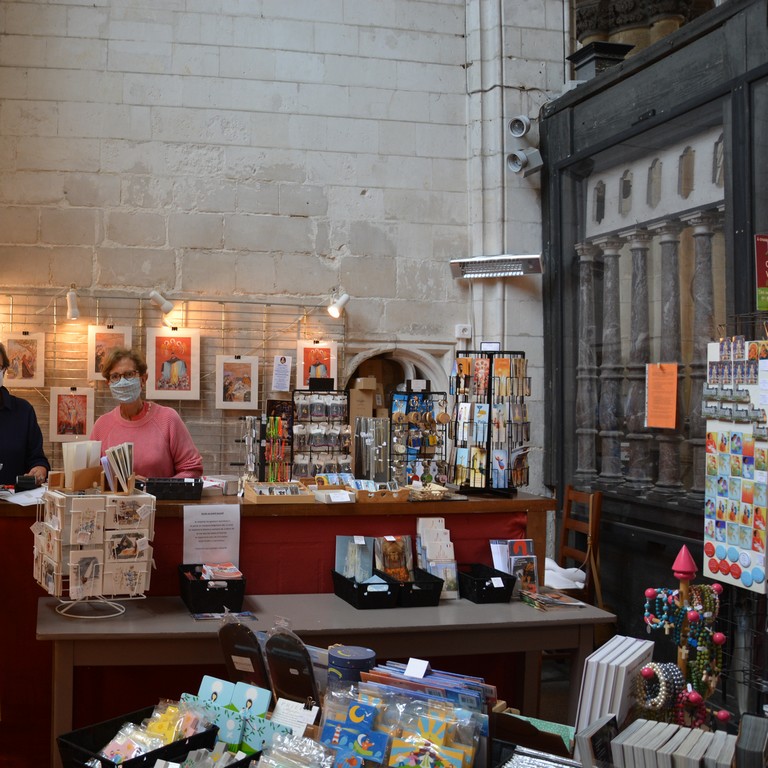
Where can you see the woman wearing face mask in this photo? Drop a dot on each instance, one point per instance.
(162, 445)
(21, 444)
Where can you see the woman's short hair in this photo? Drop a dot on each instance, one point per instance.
(121, 353)
(4, 360)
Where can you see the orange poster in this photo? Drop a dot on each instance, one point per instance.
(661, 395)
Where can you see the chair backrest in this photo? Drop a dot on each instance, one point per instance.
(580, 537)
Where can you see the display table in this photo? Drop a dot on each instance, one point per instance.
(160, 631)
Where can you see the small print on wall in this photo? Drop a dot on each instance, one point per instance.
(102, 339)
(237, 381)
(26, 353)
(317, 360)
(173, 361)
(71, 415)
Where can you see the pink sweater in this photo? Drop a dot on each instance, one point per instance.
(162, 445)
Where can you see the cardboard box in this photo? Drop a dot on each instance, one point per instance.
(360, 404)
(366, 382)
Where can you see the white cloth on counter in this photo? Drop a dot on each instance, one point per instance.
(563, 578)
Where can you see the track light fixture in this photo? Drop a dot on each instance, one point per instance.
(73, 311)
(161, 302)
(337, 307)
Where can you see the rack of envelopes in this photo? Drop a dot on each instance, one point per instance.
(94, 545)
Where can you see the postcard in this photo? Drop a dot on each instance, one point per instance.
(85, 573)
(251, 699)
(87, 527)
(125, 578)
(121, 546)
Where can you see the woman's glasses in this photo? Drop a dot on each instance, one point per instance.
(115, 377)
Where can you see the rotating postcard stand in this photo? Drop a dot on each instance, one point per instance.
(92, 548)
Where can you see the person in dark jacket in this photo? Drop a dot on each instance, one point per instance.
(21, 441)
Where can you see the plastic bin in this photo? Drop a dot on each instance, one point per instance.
(209, 596)
(363, 596)
(76, 748)
(483, 584)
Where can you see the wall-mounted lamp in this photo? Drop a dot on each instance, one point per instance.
(73, 311)
(526, 160)
(335, 309)
(161, 302)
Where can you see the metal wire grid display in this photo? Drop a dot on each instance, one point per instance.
(264, 330)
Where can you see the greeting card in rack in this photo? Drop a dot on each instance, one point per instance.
(173, 361)
(26, 354)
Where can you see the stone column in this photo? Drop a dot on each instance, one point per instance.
(669, 477)
(611, 369)
(639, 476)
(586, 369)
(703, 297)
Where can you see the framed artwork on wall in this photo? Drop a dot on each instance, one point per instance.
(237, 381)
(102, 339)
(316, 360)
(26, 352)
(173, 362)
(71, 415)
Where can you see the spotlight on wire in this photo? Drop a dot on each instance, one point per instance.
(337, 307)
(161, 302)
(73, 311)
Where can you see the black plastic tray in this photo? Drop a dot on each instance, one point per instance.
(200, 597)
(475, 583)
(365, 596)
(76, 748)
(423, 591)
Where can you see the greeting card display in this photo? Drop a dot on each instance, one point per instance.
(94, 545)
(736, 463)
(490, 426)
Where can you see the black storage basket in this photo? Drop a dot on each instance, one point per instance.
(78, 747)
(361, 595)
(483, 584)
(210, 596)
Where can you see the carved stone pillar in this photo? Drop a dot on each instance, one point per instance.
(586, 369)
(703, 295)
(628, 23)
(639, 475)
(611, 369)
(669, 478)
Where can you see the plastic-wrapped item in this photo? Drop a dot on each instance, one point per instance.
(130, 741)
(296, 752)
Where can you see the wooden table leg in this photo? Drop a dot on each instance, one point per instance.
(63, 692)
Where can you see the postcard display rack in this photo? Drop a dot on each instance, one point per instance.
(735, 399)
(93, 549)
(418, 440)
(322, 438)
(490, 427)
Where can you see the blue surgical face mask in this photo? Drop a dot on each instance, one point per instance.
(126, 390)
(2, 376)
